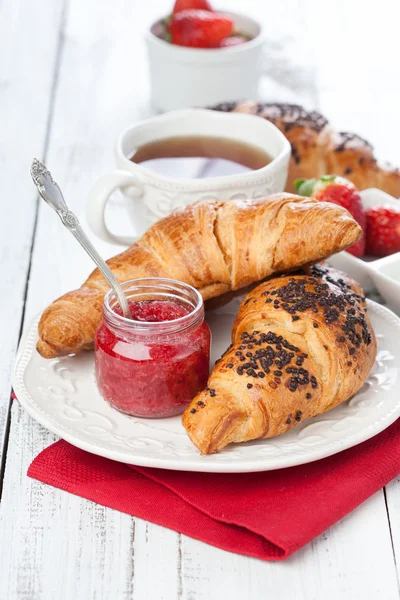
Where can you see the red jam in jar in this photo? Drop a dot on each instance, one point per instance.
(155, 363)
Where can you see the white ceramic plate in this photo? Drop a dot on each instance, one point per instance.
(62, 395)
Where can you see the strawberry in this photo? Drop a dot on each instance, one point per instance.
(331, 188)
(383, 230)
(199, 28)
(234, 40)
(186, 4)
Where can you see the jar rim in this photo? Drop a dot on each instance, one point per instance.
(156, 286)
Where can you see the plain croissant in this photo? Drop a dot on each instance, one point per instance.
(302, 344)
(317, 150)
(215, 247)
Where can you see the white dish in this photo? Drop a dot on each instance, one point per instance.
(62, 395)
(386, 277)
(380, 273)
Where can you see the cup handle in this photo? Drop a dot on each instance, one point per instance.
(97, 200)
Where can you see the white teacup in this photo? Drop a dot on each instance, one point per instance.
(152, 196)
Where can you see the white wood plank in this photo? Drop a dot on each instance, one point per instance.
(289, 61)
(393, 507)
(27, 62)
(358, 69)
(54, 544)
(100, 91)
(157, 562)
(58, 545)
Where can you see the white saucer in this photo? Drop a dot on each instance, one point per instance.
(62, 395)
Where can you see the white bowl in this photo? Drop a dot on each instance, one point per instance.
(183, 77)
(382, 273)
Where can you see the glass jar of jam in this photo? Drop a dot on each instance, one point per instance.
(155, 363)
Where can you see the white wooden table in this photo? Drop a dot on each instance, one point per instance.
(72, 75)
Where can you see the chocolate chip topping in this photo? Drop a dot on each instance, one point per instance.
(333, 297)
(346, 140)
(295, 153)
(225, 106)
(286, 116)
(274, 355)
(291, 115)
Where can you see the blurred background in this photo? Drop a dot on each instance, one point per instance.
(74, 73)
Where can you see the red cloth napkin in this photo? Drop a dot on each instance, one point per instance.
(268, 515)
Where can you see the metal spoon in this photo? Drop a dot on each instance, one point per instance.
(51, 193)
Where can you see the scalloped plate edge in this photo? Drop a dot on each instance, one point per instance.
(200, 463)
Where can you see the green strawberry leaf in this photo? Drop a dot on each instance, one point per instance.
(166, 21)
(298, 182)
(327, 178)
(305, 187)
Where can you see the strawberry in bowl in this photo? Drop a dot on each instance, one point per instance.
(331, 188)
(194, 24)
(199, 28)
(181, 5)
(199, 56)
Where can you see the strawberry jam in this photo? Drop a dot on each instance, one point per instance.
(153, 364)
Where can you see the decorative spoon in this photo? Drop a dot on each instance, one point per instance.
(51, 193)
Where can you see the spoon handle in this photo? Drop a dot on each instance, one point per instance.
(51, 193)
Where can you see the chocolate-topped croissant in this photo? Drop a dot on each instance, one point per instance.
(214, 246)
(317, 150)
(301, 345)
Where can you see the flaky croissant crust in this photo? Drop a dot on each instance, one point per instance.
(215, 247)
(302, 344)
